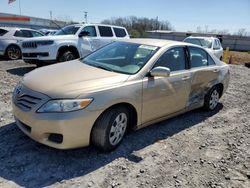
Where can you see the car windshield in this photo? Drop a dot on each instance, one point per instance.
(68, 30)
(207, 43)
(122, 57)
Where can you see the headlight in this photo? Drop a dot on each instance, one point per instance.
(64, 105)
(44, 42)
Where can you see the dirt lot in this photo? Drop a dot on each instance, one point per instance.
(197, 149)
(239, 58)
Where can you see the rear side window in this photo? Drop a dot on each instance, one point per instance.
(174, 59)
(198, 57)
(105, 31)
(3, 32)
(119, 32)
(23, 33)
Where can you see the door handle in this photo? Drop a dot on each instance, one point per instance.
(216, 70)
(185, 78)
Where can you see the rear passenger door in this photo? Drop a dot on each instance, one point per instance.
(165, 95)
(204, 74)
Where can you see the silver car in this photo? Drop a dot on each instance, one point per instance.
(212, 44)
(9, 39)
(125, 85)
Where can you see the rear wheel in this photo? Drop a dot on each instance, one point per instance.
(212, 99)
(67, 56)
(110, 128)
(13, 52)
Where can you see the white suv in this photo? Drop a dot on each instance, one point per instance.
(212, 44)
(71, 42)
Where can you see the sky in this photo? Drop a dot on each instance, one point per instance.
(184, 15)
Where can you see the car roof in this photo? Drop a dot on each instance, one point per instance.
(191, 37)
(16, 28)
(96, 24)
(154, 42)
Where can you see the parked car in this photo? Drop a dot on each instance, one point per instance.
(48, 31)
(71, 42)
(125, 85)
(212, 44)
(10, 38)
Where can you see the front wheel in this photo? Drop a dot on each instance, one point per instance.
(212, 99)
(13, 52)
(110, 128)
(67, 56)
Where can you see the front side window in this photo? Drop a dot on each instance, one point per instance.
(91, 30)
(122, 57)
(198, 57)
(68, 30)
(23, 33)
(174, 59)
(105, 31)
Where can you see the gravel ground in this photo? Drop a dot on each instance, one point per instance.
(196, 149)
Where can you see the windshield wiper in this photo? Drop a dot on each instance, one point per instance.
(100, 66)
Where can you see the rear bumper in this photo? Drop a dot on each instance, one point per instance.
(74, 128)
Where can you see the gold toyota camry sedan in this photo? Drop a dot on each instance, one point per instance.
(125, 85)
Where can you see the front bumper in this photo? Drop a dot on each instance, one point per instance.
(42, 53)
(73, 127)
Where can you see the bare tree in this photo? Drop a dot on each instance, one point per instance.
(137, 27)
(242, 32)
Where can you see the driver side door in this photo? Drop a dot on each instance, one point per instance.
(86, 44)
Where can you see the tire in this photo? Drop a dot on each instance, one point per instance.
(212, 99)
(13, 52)
(110, 128)
(66, 56)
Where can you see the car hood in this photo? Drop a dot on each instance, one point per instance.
(71, 79)
(52, 37)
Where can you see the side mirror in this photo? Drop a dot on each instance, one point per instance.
(160, 72)
(83, 34)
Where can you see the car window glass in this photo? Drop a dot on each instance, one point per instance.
(210, 60)
(198, 57)
(23, 33)
(119, 32)
(216, 45)
(91, 30)
(3, 32)
(219, 44)
(174, 59)
(105, 31)
(36, 34)
(68, 30)
(122, 57)
(193, 41)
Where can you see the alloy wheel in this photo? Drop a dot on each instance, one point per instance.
(118, 129)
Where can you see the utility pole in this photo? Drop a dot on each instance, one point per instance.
(20, 12)
(50, 13)
(86, 17)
